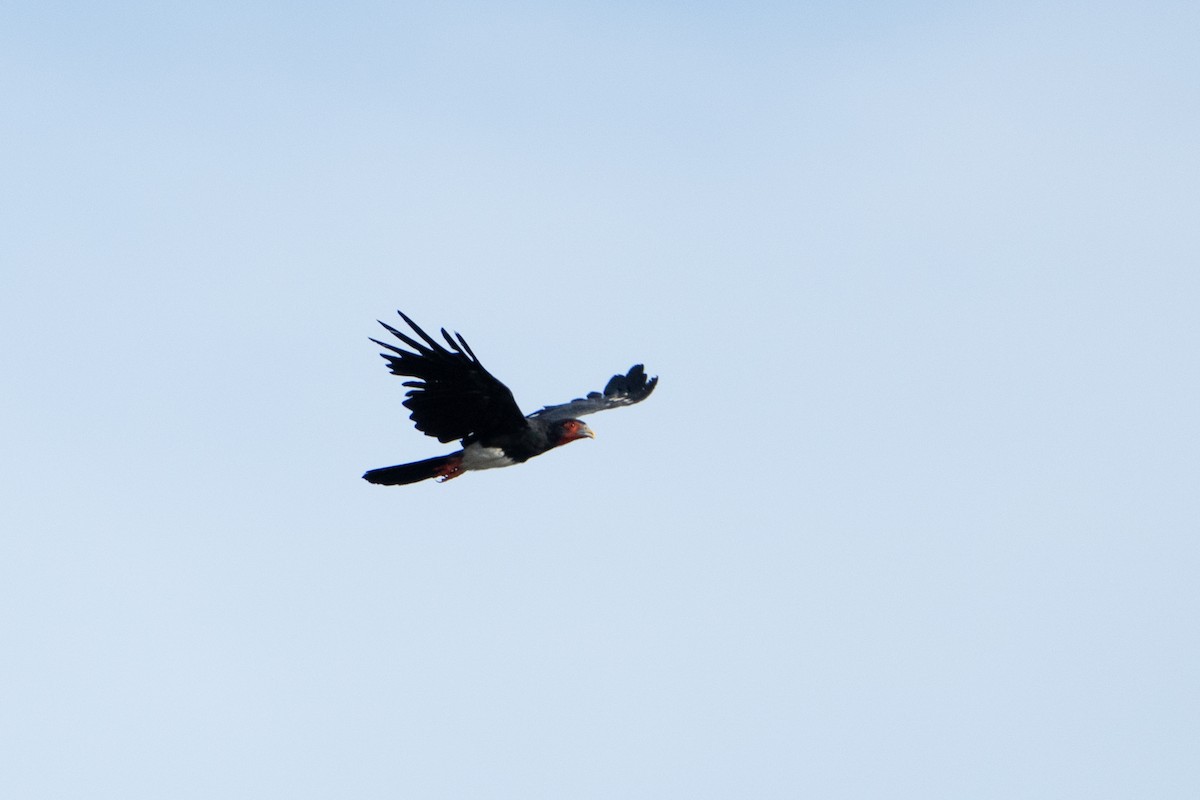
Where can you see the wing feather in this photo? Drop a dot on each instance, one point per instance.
(621, 390)
(453, 396)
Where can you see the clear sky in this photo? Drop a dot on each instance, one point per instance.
(912, 514)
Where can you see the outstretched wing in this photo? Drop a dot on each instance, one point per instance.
(453, 396)
(622, 390)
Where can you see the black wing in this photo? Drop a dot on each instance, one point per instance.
(622, 390)
(454, 396)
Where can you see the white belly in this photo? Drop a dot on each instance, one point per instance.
(476, 456)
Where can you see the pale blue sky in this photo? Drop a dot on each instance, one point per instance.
(912, 514)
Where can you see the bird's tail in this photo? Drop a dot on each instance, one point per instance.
(442, 467)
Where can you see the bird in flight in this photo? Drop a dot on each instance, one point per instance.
(455, 398)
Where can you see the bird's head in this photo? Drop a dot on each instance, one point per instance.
(571, 429)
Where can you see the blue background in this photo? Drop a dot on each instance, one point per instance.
(912, 514)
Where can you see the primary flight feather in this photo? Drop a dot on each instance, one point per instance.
(453, 397)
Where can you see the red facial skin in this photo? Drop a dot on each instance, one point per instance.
(573, 429)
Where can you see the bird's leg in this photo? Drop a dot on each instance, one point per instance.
(451, 469)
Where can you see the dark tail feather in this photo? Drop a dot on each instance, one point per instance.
(442, 467)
